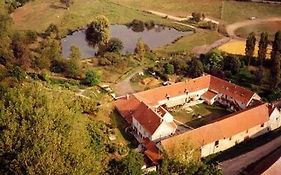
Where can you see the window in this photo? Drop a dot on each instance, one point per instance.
(230, 138)
(247, 131)
(217, 143)
(262, 125)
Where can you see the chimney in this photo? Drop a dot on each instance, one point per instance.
(127, 96)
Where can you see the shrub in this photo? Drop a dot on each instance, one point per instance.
(92, 78)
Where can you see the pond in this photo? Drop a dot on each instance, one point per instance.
(154, 38)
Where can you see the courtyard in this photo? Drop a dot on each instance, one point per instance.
(198, 115)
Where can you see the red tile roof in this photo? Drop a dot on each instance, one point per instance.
(148, 118)
(127, 106)
(224, 128)
(152, 152)
(153, 96)
(236, 92)
(209, 95)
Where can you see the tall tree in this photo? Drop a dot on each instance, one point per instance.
(250, 47)
(276, 70)
(140, 49)
(98, 31)
(263, 44)
(276, 46)
(196, 68)
(73, 67)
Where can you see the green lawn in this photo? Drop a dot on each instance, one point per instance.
(234, 11)
(228, 11)
(187, 43)
(178, 8)
(120, 124)
(38, 15)
(208, 113)
(270, 27)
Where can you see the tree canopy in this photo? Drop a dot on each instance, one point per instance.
(98, 31)
(43, 134)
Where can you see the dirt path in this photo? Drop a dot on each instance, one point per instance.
(206, 48)
(124, 87)
(236, 165)
(230, 29)
(175, 18)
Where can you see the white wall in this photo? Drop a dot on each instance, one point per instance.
(163, 130)
(140, 129)
(275, 119)
(230, 142)
(182, 99)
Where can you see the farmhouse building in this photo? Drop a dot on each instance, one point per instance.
(146, 113)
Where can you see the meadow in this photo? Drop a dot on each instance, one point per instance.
(271, 27)
(226, 11)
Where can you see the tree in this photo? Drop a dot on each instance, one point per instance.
(114, 45)
(140, 49)
(169, 68)
(263, 44)
(196, 16)
(196, 68)
(213, 61)
(43, 134)
(21, 51)
(250, 47)
(52, 31)
(50, 56)
(179, 65)
(132, 163)
(67, 3)
(98, 31)
(73, 65)
(92, 78)
(276, 46)
(231, 63)
(276, 70)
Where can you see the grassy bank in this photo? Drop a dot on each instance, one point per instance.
(228, 11)
(38, 15)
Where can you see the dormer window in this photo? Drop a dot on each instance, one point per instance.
(168, 96)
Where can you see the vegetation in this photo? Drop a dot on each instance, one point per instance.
(98, 31)
(263, 44)
(250, 47)
(92, 78)
(43, 134)
(73, 65)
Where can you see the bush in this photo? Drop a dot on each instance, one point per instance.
(169, 68)
(92, 78)
(114, 45)
(137, 25)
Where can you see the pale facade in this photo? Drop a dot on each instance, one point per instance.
(224, 144)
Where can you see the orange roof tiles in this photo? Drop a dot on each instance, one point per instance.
(149, 120)
(127, 106)
(236, 92)
(152, 152)
(224, 128)
(153, 96)
(209, 95)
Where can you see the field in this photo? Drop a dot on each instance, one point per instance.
(270, 27)
(187, 43)
(38, 15)
(218, 9)
(238, 47)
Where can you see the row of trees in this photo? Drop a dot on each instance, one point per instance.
(275, 57)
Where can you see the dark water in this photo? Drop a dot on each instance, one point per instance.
(154, 38)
